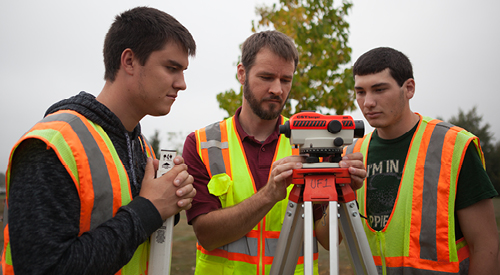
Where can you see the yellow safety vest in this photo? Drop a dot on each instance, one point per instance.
(89, 156)
(420, 234)
(220, 149)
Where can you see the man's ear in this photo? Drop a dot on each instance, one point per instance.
(241, 74)
(409, 87)
(127, 61)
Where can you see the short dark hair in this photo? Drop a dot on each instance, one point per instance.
(143, 30)
(379, 59)
(277, 42)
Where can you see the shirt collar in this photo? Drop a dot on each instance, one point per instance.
(243, 135)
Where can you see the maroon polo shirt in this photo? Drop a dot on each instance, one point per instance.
(259, 158)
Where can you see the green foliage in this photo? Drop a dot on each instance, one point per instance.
(230, 101)
(2, 180)
(472, 122)
(154, 141)
(323, 81)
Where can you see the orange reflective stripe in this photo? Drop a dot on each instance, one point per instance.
(418, 183)
(84, 174)
(202, 137)
(111, 166)
(85, 187)
(272, 234)
(443, 196)
(149, 149)
(220, 148)
(71, 136)
(238, 248)
(6, 267)
(211, 143)
(253, 234)
(463, 253)
(276, 152)
(233, 256)
(89, 157)
(433, 161)
(357, 146)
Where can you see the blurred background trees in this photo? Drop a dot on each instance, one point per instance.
(323, 81)
(473, 122)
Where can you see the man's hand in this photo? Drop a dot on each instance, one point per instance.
(281, 177)
(356, 167)
(170, 193)
(218, 228)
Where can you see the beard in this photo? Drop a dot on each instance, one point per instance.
(266, 114)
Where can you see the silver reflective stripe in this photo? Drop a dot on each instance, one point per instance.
(214, 143)
(245, 245)
(103, 190)
(214, 147)
(432, 169)
(271, 245)
(350, 148)
(249, 246)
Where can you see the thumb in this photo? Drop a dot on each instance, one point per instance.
(149, 172)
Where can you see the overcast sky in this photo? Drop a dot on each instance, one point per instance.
(51, 50)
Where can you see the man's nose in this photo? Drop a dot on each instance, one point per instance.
(370, 100)
(276, 87)
(180, 83)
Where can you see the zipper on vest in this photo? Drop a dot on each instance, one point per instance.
(381, 245)
(262, 247)
(261, 264)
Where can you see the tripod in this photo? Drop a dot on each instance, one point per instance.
(321, 182)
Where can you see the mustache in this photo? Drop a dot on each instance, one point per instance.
(273, 97)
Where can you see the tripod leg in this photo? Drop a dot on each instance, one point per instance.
(290, 241)
(355, 239)
(308, 238)
(334, 237)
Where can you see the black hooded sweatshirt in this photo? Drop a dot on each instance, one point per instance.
(44, 206)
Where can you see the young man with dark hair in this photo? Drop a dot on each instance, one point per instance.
(427, 196)
(242, 167)
(82, 194)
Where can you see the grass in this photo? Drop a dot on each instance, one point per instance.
(184, 248)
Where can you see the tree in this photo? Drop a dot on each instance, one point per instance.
(472, 122)
(323, 81)
(2, 180)
(154, 141)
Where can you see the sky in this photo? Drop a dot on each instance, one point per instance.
(51, 50)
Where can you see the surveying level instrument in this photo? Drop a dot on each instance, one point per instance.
(321, 136)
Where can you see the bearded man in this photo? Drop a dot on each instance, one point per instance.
(242, 167)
